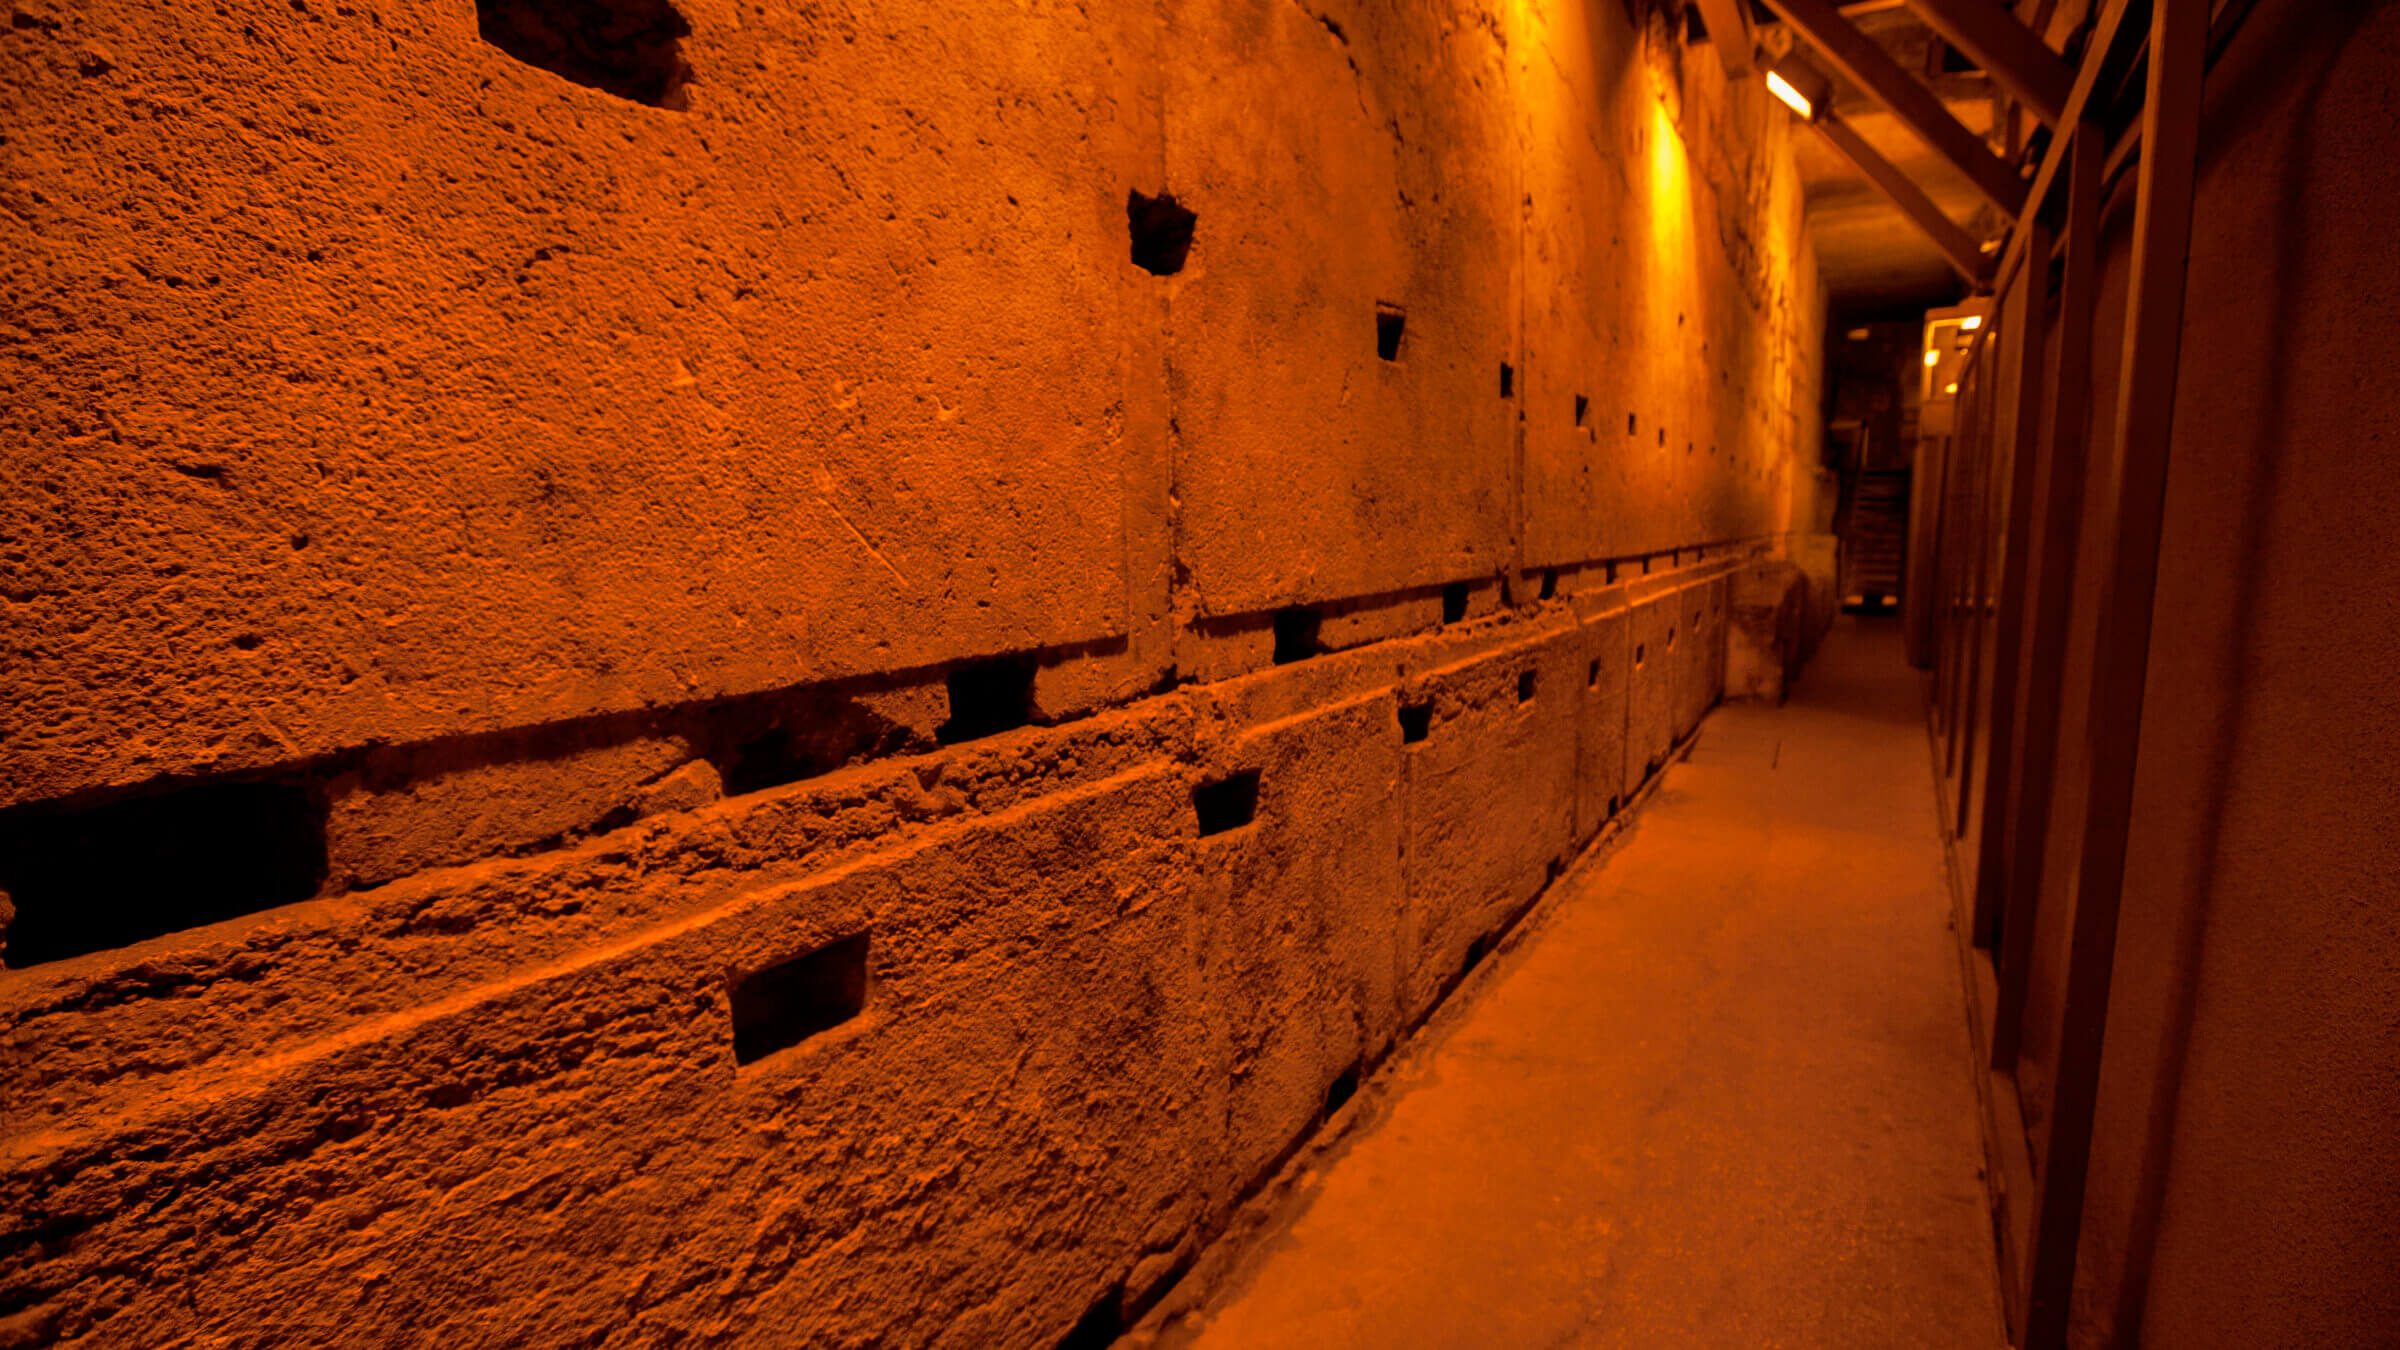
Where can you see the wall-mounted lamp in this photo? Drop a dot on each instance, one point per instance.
(1802, 87)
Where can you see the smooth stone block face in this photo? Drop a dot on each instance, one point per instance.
(1600, 781)
(1364, 252)
(413, 390)
(1491, 798)
(1650, 695)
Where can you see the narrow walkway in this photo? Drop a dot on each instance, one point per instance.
(1718, 1097)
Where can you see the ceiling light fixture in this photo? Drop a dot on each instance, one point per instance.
(1802, 87)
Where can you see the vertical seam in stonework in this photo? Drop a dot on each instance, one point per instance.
(1173, 430)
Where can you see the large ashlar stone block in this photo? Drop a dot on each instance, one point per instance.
(1355, 169)
(511, 400)
(1650, 688)
(1600, 782)
(1489, 778)
(1765, 640)
(1026, 1105)
(1298, 907)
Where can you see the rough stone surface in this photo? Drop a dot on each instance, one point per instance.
(669, 544)
(1714, 1095)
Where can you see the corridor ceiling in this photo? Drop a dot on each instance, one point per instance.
(1873, 259)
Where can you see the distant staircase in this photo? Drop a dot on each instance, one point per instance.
(1875, 540)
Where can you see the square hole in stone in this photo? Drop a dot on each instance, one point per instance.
(1550, 584)
(988, 697)
(1416, 722)
(1390, 324)
(1227, 804)
(1161, 230)
(780, 1006)
(1525, 683)
(1295, 634)
(1454, 602)
(1583, 408)
(1508, 380)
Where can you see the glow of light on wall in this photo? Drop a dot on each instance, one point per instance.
(1950, 388)
(1970, 323)
(1933, 358)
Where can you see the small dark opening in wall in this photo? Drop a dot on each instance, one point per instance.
(988, 697)
(629, 48)
(1508, 380)
(1629, 424)
(1475, 954)
(1227, 804)
(1295, 634)
(1612, 808)
(1662, 435)
(1591, 676)
(784, 1004)
(1583, 408)
(1650, 770)
(1416, 722)
(1389, 324)
(1556, 870)
(1640, 653)
(1101, 1324)
(1670, 635)
(1550, 584)
(1525, 682)
(1162, 232)
(1454, 602)
(1343, 1087)
(108, 876)
(811, 737)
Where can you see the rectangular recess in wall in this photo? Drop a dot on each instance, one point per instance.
(1227, 804)
(1416, 722)
(1295, 634)
(988, 697)
(109, 876)
(1343, 1087)
(779, 1006)
(1525, 685)
(1390, 325)
(1454, 602)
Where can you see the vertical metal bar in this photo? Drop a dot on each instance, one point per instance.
(2024, 303)
(1943, 527)
(2134, 495)
(2000, 458)
(1968, 441)
(2049, 589)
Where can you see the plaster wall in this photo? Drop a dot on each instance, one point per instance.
(617, 550)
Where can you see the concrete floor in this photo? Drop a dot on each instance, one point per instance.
(1717, 1096)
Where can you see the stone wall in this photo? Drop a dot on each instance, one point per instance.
(711, 689)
